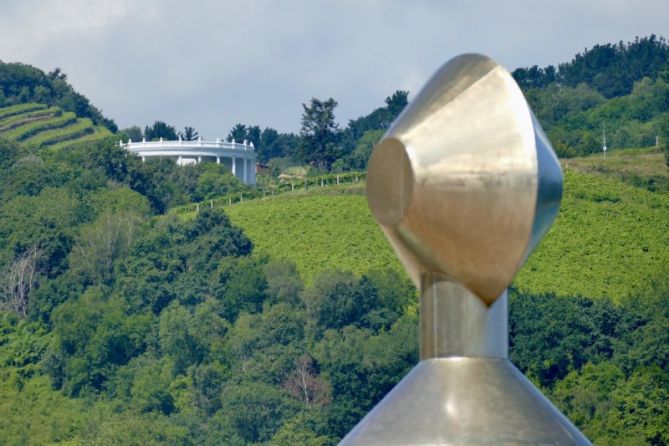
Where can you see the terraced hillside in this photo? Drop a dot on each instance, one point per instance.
(38, 125)
(609, 237)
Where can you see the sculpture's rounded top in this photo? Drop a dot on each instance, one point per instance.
(465, 183)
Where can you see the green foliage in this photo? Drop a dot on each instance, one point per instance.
(98, 134)
(188, 134)
(574, 117)
(37, 125)
(379, 119)
(24, 84)
(547, 348)
(642, 168)
(338, 299)
(133, 133)
(238, 133)
(25, 131)
(18, 109)
(214, 180)
(73, 131)
(273, 145)
(358, 159)
(605, 230)
(93, 336)
(300, 228)
(9, 152)
(611, 69)
(614, 409)
(284, 283)
(319, 133)
(302, 430)
(45, 221)
(145, 329)
(253, 412)
(608, 238)
(623, 87)
(16, 117)
(160, 130)
(240, 286)
(353, 358)
(101, 243)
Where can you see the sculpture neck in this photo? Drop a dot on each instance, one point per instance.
(456, 322)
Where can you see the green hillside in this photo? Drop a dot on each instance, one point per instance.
(38, 125)
(133, 313)
(609, 236)
(318, 232)
(644, 168)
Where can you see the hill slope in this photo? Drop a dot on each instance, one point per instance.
(609, 237)
(35, 124)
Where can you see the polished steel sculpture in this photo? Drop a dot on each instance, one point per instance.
(465, 184)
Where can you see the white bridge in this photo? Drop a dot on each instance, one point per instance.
(240, 158)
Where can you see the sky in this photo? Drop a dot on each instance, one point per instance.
(212, 64)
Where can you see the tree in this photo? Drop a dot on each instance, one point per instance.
(357, 160)
(395, 104)
(160, 130)
(189, 134)
(240, 286)
(269, 146)
(237, 133)
(255, 411)
(320, 133)
(215, 180)
(308, 428)
(253, 134)
(150, 387)
(176, 339)
(102, 242)
(19, 278)
(305, 385)
(134, 133)
(283, 281)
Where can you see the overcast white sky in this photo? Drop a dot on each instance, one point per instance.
(211, 64)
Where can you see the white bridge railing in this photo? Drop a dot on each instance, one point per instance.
(240, 157)
(199, 143)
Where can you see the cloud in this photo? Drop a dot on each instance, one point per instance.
(211, 64)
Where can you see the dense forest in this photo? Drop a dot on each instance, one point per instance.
(123, 323)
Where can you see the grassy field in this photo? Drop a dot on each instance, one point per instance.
(609, 238)
(639, 167)
(318, 232)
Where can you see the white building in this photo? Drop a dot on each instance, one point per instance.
(239, 157)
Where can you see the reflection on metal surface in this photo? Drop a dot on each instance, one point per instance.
(454, 183)
(465, 184)
(464, 401)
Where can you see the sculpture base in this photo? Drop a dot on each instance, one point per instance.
(464, 401)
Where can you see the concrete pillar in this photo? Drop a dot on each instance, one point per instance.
(218, 160)
(234, 166)
(245, 177)
(199, 159)
(252, 172)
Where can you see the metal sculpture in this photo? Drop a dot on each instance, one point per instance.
(465, 184)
